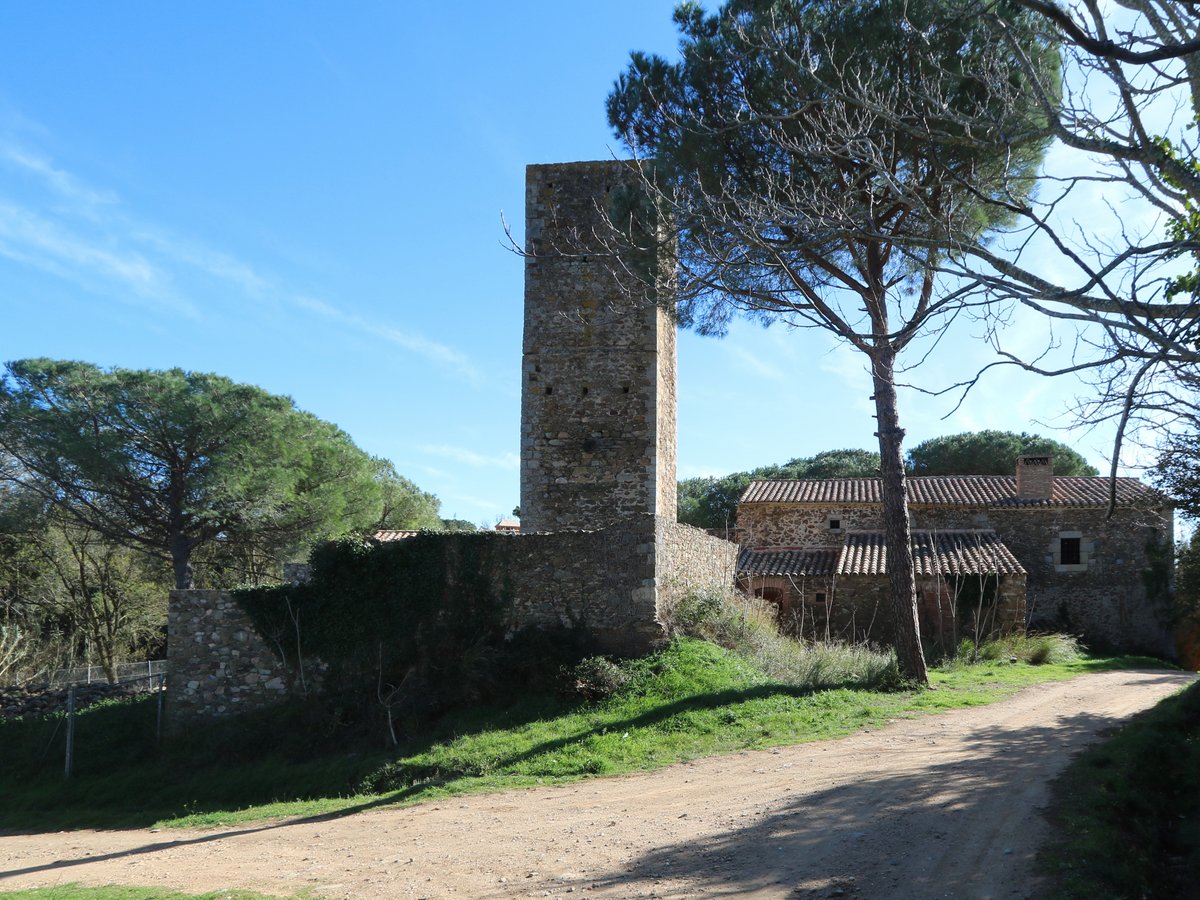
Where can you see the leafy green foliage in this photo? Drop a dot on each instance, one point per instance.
(404, 505)
(749, 131)
(749, 626)
(169, 461)
(1035, 649)
(1185, 228)
(73, 595)
(1177, 474)
(991, 453)
(692, 699)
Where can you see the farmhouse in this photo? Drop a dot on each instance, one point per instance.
(992, 553)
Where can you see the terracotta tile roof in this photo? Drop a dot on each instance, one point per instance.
(863, 553)
(934, 553)
(385, 536)
(954, 490)
(808, 561)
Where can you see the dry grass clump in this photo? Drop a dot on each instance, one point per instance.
(748, 626)
(1035, 649)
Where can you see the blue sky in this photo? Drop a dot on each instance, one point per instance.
(309, 197)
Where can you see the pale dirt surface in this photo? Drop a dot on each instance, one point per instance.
(939, 806)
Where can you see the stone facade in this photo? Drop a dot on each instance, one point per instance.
(615, 582)
(1106, 594)
(217, 665)
(598, 375)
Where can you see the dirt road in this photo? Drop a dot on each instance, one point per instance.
(940, 806)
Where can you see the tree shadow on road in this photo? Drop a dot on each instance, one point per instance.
(944, 830)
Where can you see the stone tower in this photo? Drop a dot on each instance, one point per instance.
(598, 375)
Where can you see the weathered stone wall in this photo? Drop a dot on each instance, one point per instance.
(217, 665)
(1104, 599)
(612, 583)
(598, 374)
(794, 525)
(689, 559)
(602, 581)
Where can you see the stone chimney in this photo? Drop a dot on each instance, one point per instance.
(1035, 477)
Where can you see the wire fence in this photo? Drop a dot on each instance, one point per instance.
(96, 674)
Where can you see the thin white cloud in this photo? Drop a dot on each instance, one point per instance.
(416, 343)
(80, 233)
(215, 263)
(54, 247)
(756, 365)
(472, 458)
(61, 182)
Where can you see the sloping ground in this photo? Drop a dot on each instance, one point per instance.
(940, 806)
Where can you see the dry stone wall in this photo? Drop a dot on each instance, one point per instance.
(689, 559)
(217, 665)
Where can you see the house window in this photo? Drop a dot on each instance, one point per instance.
(819, 598)
(835, 524)
(1071, 553)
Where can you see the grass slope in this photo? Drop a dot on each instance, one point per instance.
(692, 699)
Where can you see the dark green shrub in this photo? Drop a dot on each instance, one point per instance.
(597, 678)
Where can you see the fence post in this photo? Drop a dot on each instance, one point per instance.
(70, 763)
(162, 686)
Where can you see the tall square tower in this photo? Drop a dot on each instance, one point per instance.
(598, 402)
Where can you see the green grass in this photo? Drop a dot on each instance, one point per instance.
(692, 699)
(1127, 811)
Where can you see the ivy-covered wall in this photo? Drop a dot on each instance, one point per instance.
(436, 617)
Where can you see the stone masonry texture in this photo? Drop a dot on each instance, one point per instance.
(217, 665)
(615, 583)
(598, 394)
(1107, 600)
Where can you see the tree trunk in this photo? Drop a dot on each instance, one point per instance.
(181, 561)
(897, 533)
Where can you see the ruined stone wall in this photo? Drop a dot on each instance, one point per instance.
(217, 665)
(598, 373)
(689, 559)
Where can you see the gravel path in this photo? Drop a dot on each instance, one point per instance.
(939, 806)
